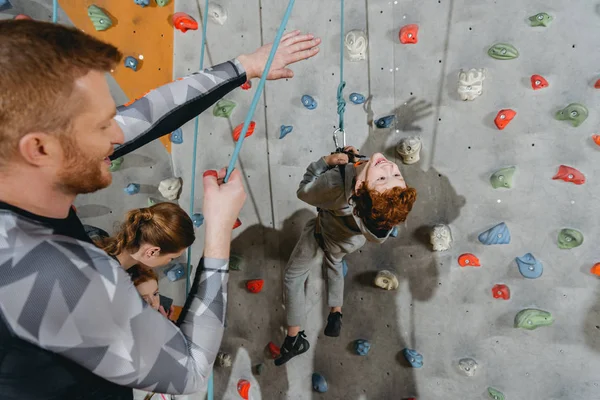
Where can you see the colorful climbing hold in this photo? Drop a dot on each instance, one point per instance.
(184, 22)
(22, 16)
(495, 394)
(223, 108)
(198, 219)
(151, 202)
(247, 85)
(468, 366)
(162, 3)
(596, 85)
(142, 3)
(217, 13)
(569, 238)
(501, 291)
(362, 347)
(540, 19)
(344, 268)
(238, 130)
(274, 350)
(224, 359)
(176, 272)
(529, 267)
(5, 5)
(503, 51)
(132, 188)
(576, 113)
(394, 232)
(243, 388)
(503, 178)
(235, 262)
(386, 280)
(131, 63)
(356, 44)
(115, 164)
(319, 383)
(596, 139)
(531, 318)
(177, 136)
(468, 260)
(385, 122)
(538, 82)
(409, 34)
(308, 102)
(499, 234)
(414, 359)
(237, 224)
(255, 285)
(285, 130)
(504, 117)
(470, 83)
(595, 269)
(357, 98)
(569, 174)
(99, 18)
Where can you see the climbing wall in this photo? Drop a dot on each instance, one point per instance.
(443, 311)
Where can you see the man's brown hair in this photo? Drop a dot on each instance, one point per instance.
(39, 64)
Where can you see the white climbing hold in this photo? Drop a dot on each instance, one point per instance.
(224, 360)
(386, 280)
(217, 13)
(441, 237)
(356, 43)
(409, 149)
(170, 188)
(470, 83)
(468, 366)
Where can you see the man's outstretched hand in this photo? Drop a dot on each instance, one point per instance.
(294, 47)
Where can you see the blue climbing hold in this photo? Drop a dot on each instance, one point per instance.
(285, 130)
(198, 220)
(131, 62)
(357, 98)
(142, 3)
(5, 5)
(319, 383)
(529, 267)
(362, 347)
(176, 272)
(394, 232)
(344, 268)
(499, 234)
(415, 359)
(309, 102)
(132, 188)
(384, 122)
(177, 136)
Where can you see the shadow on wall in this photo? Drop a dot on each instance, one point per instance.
(591, 329)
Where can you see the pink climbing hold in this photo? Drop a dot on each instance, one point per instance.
(409, 34)
(501, 292)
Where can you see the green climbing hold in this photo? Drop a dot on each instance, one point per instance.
(99, 18)
(235, 262)
(503, 51)
(503, 178)
(495, 394)
(151, 202)
(574, 112)
(531, 318)
(541, 19)
(223, 108)
(115, 164)
(162, 3)
(569, 238)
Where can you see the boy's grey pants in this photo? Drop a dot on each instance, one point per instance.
(338, 241)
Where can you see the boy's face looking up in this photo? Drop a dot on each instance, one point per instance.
(380, 174)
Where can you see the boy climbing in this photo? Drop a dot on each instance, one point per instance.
(355, 202)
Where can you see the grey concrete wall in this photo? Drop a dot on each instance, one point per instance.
(442, 310)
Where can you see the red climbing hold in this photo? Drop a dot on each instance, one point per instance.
(22, 16)
(243, 388)
(247, 85)
(596, 269)
(597, 84)
(255, 285)
(409, 34)
(569, 174)
(501, 292)
(538, 82)
(237, 224)
(468, 260)
(184, 22)
(596, 139)
(274, 350)
(238, 130)
(504, 117)
(210, 172)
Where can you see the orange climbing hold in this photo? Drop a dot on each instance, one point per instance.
(409, 34)
(596, 269)
(538, 82)
(501, 292)
(274, 350)
(468, 260)
(255, 285)
(184, 22)
(597, 84)
(238, 130)
(596, 139)
(504, 117)
(247, 85)
(243, 388)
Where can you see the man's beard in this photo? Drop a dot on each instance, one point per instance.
(82, 173)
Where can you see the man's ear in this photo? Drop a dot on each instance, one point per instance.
(40, 149)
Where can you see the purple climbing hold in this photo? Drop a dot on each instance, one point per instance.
(285, 130)
(176, 272)
(177, 136)
(131, 63)
(385, 122)
(198, 219)
(132, 188)
(142, 3)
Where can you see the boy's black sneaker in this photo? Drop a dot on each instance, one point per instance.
(292, 346)
(334, 324)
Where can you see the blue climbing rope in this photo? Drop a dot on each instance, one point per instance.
(55, 11)
(341, 103)
(259, 90)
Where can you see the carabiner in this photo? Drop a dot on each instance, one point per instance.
(335, 138)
